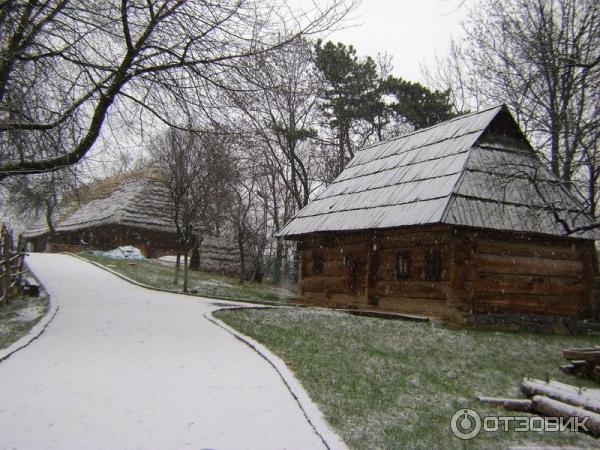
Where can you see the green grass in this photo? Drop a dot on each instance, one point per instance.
(396, 384)
(159, 275)
(18, 317)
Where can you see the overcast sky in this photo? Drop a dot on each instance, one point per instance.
(412, 31)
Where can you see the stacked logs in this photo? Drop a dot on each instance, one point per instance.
(555, 399)
(583, 361)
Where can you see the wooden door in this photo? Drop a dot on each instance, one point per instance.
(357, 277)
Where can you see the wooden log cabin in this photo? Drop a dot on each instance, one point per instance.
(456, 221)
(131, 209)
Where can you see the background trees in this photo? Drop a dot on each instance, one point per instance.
(179, 159)
(257, 116)
(542, 58)
(65, 66)
(362, 103)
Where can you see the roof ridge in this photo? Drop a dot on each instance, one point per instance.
(422, 130)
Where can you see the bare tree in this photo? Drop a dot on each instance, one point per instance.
(66, 66)
(246, 215)
(542, 58)
(42, 194)
(279, 116)
(178, 156)
(451, 73)
(279, 110)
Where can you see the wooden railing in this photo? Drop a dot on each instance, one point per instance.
(12, 265)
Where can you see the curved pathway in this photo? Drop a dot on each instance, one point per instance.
(125, 367)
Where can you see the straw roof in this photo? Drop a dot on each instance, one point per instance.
(140, 200)
(475, 170)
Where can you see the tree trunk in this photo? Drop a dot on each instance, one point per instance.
(51, 229)
(258, 274)
(242, 260)
(592, 190)
(185, 271)
(177, 265)
(195, 258)
(341, 152)
(277, 263)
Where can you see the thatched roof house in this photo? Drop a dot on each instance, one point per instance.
(461, 214)
(131, 209)
(126, 209)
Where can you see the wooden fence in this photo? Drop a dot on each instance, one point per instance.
(12, 260)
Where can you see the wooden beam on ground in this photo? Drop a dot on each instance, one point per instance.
(571, 397)
(514, 404)
(554, 408)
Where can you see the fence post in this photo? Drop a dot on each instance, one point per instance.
(5, 265)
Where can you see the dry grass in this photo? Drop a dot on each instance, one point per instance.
(19, 316)
(159, 275)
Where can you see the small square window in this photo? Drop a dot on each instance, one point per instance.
(433, 266)
(317, 261)
(402, 265)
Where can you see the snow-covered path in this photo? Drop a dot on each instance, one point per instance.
(123, 367)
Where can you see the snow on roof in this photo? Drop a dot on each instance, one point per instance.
(473, 170)
(140, 201)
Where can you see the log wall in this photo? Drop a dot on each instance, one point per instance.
(516, 273)
(483, 272)
(151, 243)
(376, 283)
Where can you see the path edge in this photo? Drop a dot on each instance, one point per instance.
(313, 414)
(37, 330)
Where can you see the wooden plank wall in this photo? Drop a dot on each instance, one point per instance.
(514, 273)
(484, 272)
(152, 243)
(415, 294)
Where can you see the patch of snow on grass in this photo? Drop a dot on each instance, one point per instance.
(215, 284)
(29, 313)
(124, 252)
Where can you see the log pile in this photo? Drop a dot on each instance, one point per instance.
(555, 399)
(583, 361)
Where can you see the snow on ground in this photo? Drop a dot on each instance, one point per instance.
(30, 313)
(215, 283)
(124, 252)
(169, 258)
(125, 367)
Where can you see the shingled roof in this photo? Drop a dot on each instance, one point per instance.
(140, 200)
(476, 170)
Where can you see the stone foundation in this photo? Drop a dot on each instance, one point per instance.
(534, 323)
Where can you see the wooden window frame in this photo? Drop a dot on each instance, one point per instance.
(403, 255)
(318, 260)
(434, 265)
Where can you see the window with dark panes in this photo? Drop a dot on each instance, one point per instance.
(433, 265)
(402, 265)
